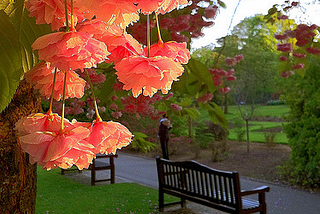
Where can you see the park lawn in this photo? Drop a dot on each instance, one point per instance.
(255, 135)
(58, 194)
(260, 111)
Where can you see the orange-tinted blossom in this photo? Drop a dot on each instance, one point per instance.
(107, 137)
(41, 137)
(120, 12)
(176, 51)
(148, 75)
(41, 76)
(52, 12)
(70, 50)
(169, 5)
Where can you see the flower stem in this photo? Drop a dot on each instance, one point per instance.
(158, 28)
(66, 13)
(72, 18)
(98, 118)
(52, 92)
(63, 102)
(148, 34)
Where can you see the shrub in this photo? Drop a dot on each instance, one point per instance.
(302, 95)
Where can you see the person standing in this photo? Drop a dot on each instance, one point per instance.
(163, 134)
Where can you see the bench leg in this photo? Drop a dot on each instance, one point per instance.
(183, 203)
(262, 201)
(161, 200)
(113, 177)
(93, 177)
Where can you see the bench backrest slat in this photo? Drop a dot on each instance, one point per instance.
(198, 180)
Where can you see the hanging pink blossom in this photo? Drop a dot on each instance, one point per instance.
(107, 137)
(283, 58)
(176, 51)
(148, 75)
(299, 55)
(40, 136)
(52, 12)
(41, 76)
(281, 36)
(224, 90)
(205, 98)
(298, 66)
(120, 12)
(314, 51)
(284, 47)
(70, 50)
(176, 107)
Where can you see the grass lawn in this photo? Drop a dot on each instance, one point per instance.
(58, 194)
(256, 127)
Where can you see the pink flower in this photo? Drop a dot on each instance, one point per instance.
(210, 12)
(107, 137)
(176, 51)
(116, 114)
(176, 107)
(148, 75)
(217, 80)
(286, 74)
(230, 61)
(41, 137)
(282, 17)
(299, 55)
(284, 47)
(113, 106)
(283, 58)
(118, 12)
(205, 98)
(224, 90)
(281, 37)
(52, 12)
(41, 76)
(298, 66)
(70, 50)
(239, 57)
(315, 51)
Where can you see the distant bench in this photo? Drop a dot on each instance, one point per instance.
(99, 164)
(190, 180)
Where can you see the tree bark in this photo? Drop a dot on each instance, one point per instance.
(17, 175)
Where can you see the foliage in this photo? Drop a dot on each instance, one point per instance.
(303, 97)
(139, 142)
(238, 128)
(18, 32)
(203, 138)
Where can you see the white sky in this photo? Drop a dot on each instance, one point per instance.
(248, 8)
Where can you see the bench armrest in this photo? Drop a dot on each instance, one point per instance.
(261, 189)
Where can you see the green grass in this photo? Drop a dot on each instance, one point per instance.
(263, 111)
(58, 194)
(256, 133)
(260, 111)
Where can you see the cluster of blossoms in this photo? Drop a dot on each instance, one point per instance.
(90, 33)
(219, 76)
(302, 37)
(183, 24)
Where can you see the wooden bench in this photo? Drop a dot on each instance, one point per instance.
(190, 180)
(97, 165)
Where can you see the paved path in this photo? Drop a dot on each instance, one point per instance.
(280, 200)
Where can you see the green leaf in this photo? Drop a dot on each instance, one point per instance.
(10, 60)
(139, 142)
(216, 114)
(222, 4)
(201, 72)
(192, 113)
(28, 31)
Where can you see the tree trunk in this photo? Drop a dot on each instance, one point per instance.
(17, 176)
(226, 103)
(248, 140)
